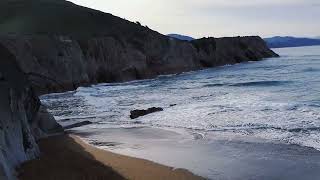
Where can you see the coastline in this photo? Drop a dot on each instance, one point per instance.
(216, 154)
(67, 157)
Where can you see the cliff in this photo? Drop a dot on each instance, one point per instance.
(61, 63)
(22, 119)
(62, 46)
(54, 46)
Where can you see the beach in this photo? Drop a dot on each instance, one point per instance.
(121, 154)
(212, 156)
(67, 157)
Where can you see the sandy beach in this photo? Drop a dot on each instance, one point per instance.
(213, 156)
(67, 157)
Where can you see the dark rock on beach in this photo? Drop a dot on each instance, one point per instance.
(137, 113)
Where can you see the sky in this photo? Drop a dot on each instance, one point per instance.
(218, 18)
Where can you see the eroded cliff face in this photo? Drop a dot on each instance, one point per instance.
(22, 121)
(62, 46)
(60, 63)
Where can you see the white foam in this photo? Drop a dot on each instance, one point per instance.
(267, 112)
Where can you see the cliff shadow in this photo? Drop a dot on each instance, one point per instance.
(64, 159)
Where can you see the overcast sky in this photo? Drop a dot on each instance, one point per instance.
(218, 18)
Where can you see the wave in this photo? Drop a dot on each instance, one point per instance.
(305, 129)
(310, 69)
(214, 85)
(248, 84)
(252, 127)
(260, 83)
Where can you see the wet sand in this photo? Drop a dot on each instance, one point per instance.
(211, 156)
(67, 157)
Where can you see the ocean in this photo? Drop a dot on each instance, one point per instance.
(275, 101)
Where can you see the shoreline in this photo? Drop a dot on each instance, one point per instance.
(68, 157)
(213, 157)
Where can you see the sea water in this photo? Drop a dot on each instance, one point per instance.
(276, 99)
(254, 120)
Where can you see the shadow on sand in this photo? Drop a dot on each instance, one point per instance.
(64, 159)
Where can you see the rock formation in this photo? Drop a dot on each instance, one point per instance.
(62, 46)
(61, 63)
(137, 113)
(22, 121)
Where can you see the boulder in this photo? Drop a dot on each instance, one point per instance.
(137, 113)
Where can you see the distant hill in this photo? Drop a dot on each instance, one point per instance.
(181, 37)
(288, 41)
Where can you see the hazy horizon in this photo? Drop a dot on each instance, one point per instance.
(218, 18)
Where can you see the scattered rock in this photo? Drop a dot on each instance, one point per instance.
(78, 125)
(137, 113)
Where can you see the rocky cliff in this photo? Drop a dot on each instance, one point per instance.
(22, 119)
(59, 63)
(61, 46)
